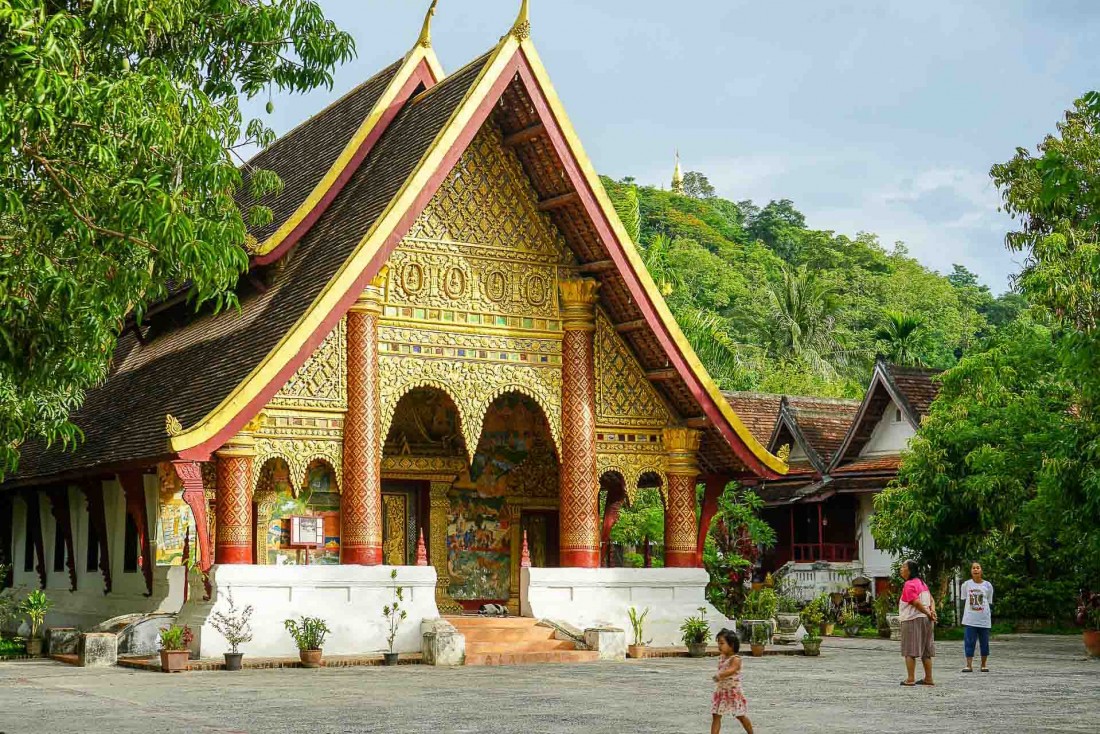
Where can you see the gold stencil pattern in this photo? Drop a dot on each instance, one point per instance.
(624, 396)
(320, 382)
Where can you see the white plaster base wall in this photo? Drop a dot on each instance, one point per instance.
(600, 597)
(348, 598)
(88, 606)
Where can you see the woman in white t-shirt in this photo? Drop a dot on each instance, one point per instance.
(977, 594)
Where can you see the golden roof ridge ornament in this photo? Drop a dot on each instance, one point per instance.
(172, 426)
(521, 29)
(425, 40)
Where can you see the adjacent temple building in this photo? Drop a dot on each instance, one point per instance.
(447, 349)
(841, 453)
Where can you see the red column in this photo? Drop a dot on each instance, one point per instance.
(580, 512)
(361, 497)
(820, 535)
(715, 486)
(233, 501)
(681, 530)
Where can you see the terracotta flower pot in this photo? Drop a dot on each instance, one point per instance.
(233, 660)
(827, 628)
(757, 650)
(635, 651)
(697, 649)
(174, 661)
(389, 658)
(310, 658)
(1092, 642)
(34, 646)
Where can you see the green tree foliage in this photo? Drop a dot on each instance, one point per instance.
(732, 546)
(902, 339)
(641, 520)
(118, 123)
(974, 471)
(1056, 197)
(771, 305)
(697, 186)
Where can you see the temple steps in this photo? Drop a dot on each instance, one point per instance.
(515, 641)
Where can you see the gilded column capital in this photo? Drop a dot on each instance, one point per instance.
(682, 445)
(242, 445)
(374, 295)
(578, 303)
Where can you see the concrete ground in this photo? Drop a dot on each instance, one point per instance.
(1038, 684)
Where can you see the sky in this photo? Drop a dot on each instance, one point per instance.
(872, 115)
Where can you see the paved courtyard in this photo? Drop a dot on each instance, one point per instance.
(1038, 684)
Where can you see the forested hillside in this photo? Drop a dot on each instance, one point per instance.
(773, 305)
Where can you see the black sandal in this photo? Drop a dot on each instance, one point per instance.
(908, 685)
(923, 682)
(985, 670)
(969, 670)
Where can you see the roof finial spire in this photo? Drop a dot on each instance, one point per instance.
(677, 177)
(425, 39)
(521, 29)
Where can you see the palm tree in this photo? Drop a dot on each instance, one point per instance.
(902, 338)
(656, 256)
(725, 358)
(800, 323)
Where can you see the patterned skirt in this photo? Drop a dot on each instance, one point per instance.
(729, 701)
(917, 639)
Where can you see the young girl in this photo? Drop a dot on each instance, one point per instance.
(729, 699)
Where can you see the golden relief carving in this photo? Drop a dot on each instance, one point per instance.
(472, 387)
(321, 381)
(394, 511)
(413, 466)
(299, 454)
(537, 476)
(624, 396)
(397, 340)
(632, 467)
(488, 201)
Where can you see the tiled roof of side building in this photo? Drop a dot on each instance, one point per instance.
(189, 364)
(304, 155)
(757, 410)
(824, 422)
(916, 385)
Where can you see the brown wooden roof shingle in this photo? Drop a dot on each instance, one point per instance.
(757, 410)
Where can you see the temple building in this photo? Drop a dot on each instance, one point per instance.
(447, 351)
(841, 453)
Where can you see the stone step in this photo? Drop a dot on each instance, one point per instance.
(522, 646)
(530, 658)
(505, 634)
(470, 621)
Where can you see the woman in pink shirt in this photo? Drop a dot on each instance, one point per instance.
(917, 613)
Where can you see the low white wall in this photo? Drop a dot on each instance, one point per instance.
(348, 598)
(88, 606)
(595, 597)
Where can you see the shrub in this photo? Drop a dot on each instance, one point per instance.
(308, 633)
(176, 638)
(393, 613)
(760, 604)
(35, 605)
(695, 630)
(637, 623)
(233, 624)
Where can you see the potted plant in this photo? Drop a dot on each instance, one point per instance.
(175, 648)
(758, 640)
(827, 612)
(394, 615)
(1088, 616)
(309, 635)
(235, 628)
(637, 624)
(851, 621)
(34, 606)
(696, 632)
(760, 606)
(885, 605)
(812, 620)
(786, 615)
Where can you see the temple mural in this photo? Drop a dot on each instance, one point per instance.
(318, 498)
(478, 551)
(175, 529)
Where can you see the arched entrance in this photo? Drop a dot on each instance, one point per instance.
(279, 496)
(509, 490)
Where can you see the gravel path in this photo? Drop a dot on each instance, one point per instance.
(1038, 684)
